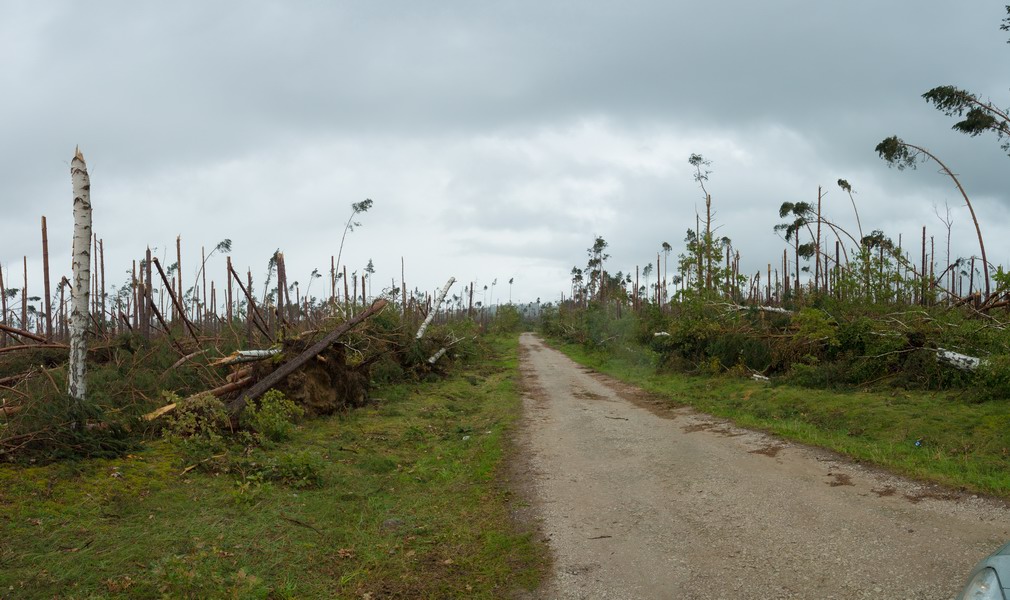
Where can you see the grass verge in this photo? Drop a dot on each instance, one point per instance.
(938, 437)
(402, 500)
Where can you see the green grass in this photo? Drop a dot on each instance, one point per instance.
(962, 442)
(410, 504)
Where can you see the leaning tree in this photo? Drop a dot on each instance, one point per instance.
(977, 116)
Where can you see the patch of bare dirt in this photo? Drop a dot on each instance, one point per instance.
(586, 395)
(770, 450)
(711, 427)
(931, 494)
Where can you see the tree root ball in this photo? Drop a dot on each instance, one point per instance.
(324, 385)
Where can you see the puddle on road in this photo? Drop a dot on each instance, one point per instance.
(710, 427)
(772, 450)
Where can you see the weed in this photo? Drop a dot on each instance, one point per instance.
(273, 416)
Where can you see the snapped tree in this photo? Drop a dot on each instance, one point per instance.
(80, 290)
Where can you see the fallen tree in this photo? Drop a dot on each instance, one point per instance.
(236, 406)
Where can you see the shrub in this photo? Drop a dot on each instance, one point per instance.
(993, 377)
(197, 427)
(273, 416)
(201, 416)
(506, 320)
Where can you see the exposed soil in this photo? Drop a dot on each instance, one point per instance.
(324, 385)
(641, 501)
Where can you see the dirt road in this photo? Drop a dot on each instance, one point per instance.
(643, 502)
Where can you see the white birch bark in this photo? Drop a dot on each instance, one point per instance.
(434, 308)
(242, 356)
(434, 357)
(80, 285)
(771, 309)
(957, 360)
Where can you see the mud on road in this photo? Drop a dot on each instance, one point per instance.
(639, 501)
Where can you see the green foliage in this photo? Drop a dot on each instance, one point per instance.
(506, 320)
(994, 377)
(60, 427)
(896, 153)
(198, 428)
(273, 416)
(302, 469)
(371, 502)
(202, 416)
(815, 326)
(828, 343)
(977, 116)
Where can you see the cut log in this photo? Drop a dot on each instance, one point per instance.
(292, 365)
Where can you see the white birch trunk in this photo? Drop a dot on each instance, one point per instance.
(434, 357)
(80, 285)
(771, 309)
(434, 308)
(959, 361)
(242, 356)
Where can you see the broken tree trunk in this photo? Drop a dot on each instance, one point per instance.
(434, 357)
(242, 356)
(251, 311)
(771, 309)
(292, 365)
(431, 313)
(175, 301)
(22, 333)
(957, 360)
(80, 287)
(34, 347)
(45, 278)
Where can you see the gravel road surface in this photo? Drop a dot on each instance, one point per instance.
(640, 501)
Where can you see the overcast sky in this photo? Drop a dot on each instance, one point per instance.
(497, 139)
